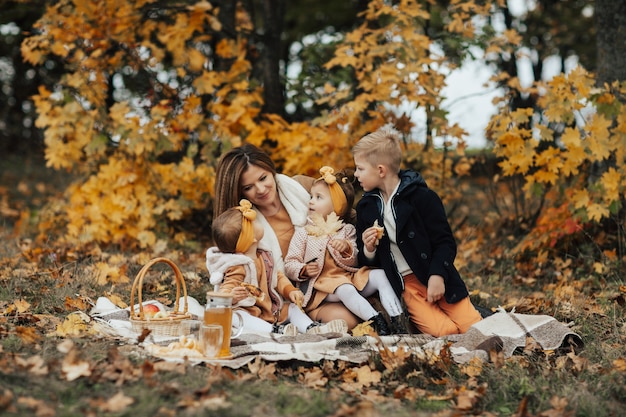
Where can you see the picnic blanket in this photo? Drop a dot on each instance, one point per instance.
(505, 332)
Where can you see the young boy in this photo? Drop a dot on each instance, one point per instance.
(417, 248)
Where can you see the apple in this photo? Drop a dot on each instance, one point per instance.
(149, 310)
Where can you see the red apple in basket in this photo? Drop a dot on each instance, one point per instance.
(149, 310)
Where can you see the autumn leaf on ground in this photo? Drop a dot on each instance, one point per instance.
(466, 399)
(620, 364)
(39, 407)
(27, 334)
(313, 378)
(360, 409)
(35, 365)
(76, 303)
(6, 401)
(73, 367)
(558, 408)
(117, 403)
(473, 368)
(393, 358)
(263, 369)
(357, 378)
(75, 324)
(21, 305)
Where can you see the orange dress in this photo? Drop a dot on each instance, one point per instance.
(331, 277)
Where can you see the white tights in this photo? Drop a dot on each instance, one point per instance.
(252, 324)
(356, 302)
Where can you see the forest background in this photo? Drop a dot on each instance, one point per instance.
(114, 113)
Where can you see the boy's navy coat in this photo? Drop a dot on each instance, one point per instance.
(423, 235)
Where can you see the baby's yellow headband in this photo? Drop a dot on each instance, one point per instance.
(338, 197)
(246, 236)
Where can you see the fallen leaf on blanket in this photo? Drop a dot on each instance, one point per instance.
(313, 378)
(363, 329)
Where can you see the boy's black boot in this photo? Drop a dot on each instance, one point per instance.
(380, 325)
(398, 325)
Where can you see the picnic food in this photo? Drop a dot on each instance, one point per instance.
(161, 315)
(253, 290)
(380, 231)
(150, 310)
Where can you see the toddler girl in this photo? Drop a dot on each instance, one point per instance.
(240, 268)
(322, 257)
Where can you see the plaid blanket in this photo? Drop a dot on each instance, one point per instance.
(505, 332)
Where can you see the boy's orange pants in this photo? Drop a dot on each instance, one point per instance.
(440, 318)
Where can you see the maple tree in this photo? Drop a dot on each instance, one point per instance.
(581, 126)
(145, 161)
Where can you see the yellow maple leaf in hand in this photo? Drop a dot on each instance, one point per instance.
(321, 227)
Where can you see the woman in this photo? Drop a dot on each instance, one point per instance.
(280, 202)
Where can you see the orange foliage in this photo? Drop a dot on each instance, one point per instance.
(147, 160)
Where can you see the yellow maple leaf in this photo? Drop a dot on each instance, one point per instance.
(597, 212)
(21, 305)
(75, 324)
(363, 329)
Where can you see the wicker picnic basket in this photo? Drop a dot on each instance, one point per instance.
(162, 326)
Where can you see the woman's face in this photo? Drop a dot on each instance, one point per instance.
(258, 186)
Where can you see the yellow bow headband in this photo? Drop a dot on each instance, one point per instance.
(338, 197)
(246, 236)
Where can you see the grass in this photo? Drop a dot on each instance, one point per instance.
(588, 382)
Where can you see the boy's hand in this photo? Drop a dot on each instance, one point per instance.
(340, 245)
(370, 238)
(436, 288)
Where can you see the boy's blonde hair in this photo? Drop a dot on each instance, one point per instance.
(381, 147)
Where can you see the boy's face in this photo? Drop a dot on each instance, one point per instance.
(366, 173)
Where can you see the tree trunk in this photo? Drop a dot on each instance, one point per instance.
(611, 40)
(273, 20)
